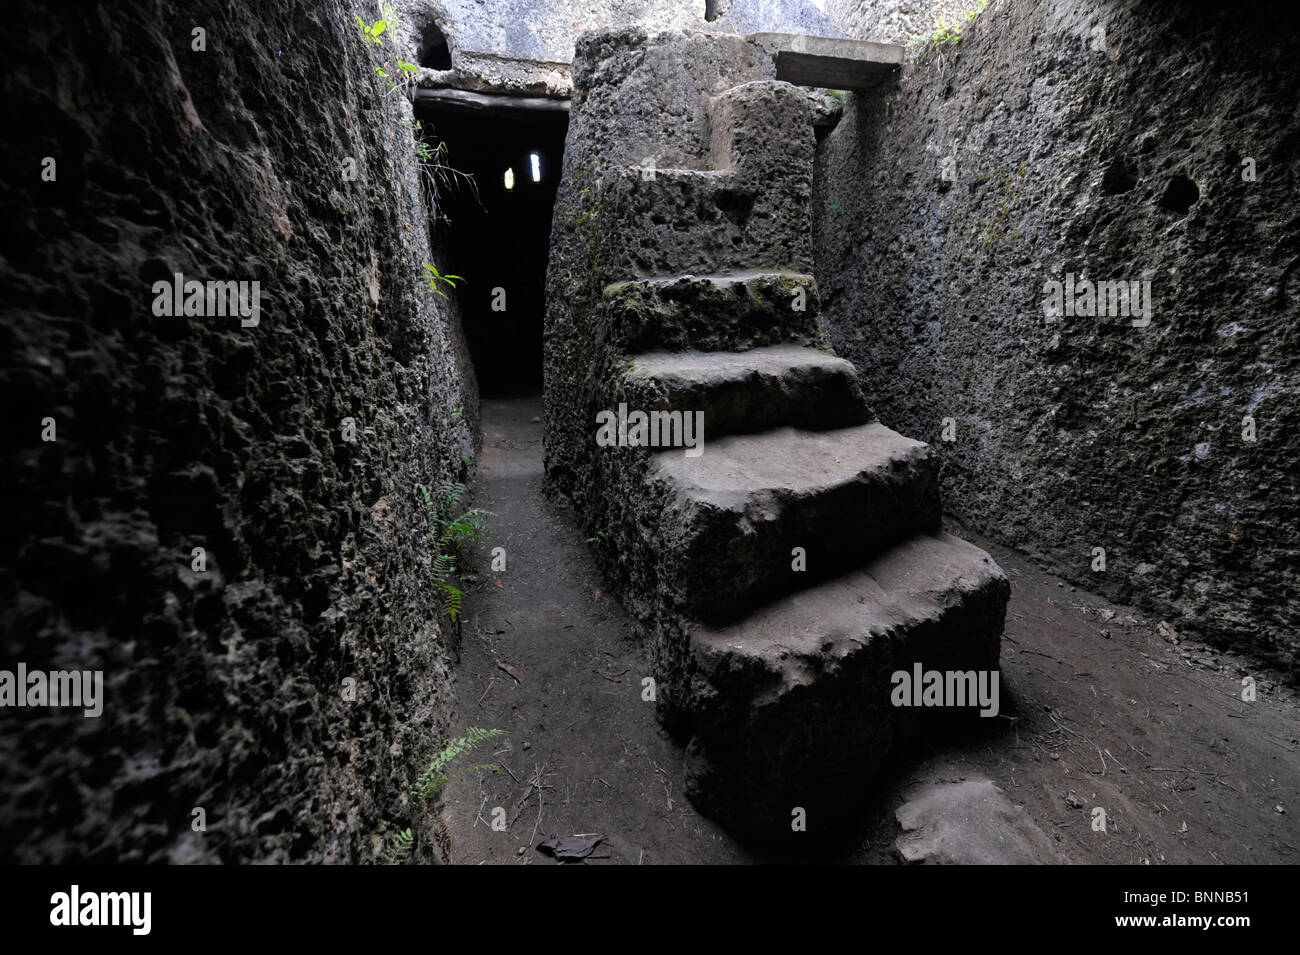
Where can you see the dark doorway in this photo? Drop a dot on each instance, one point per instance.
(497, 235)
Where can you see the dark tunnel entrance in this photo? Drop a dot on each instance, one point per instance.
(497, 235)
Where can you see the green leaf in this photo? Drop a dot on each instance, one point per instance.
(379, 27)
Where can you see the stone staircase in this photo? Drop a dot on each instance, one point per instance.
(786, 572)
(781, 676)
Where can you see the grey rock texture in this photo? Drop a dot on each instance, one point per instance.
(754, 390)
(526, 46)
(224, 688)
(970, 823)
(545, 30)
(736, 512)
(1107, 140)
(719, 312)
(776, 16)
(896, 21)
(790, 707)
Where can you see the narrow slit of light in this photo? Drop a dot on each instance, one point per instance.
(536, 160)
(510, 179)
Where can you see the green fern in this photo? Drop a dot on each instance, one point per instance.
(470, 526)
(443, 565)
(400, 847)
(447, 537)
(450, 494)
(435, 776)
(451, 597)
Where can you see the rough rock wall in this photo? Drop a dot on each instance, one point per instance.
(526, 46)
(1144, 141)
(897, 21)
(775, 16)
(224, 687)
(545, 30)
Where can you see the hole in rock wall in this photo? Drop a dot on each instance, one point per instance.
(434, 51)
(1118, 178)
(1180, 195)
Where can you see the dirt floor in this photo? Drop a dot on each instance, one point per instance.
(1099, 708)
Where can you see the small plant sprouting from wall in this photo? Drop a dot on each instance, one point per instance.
(449, 532)
(949, 31)
(433, 277)
(400, 74)
(440, 177)
(403, 73)
(435, 775)
(372, 31)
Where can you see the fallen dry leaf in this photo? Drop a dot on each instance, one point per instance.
(514, 671)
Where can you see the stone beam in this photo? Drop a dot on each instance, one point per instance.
(829, 62)
(485, 104)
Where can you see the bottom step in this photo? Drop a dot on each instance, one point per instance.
(793, 707)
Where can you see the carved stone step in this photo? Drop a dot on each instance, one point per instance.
(734, 515)
(742, 392)
(793, 706)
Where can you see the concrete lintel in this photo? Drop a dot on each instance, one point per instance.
(487, 104)
(829, 62)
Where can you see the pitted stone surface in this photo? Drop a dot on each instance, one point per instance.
(733, 515)
(1037, 151)
(970, 823)
(723, 312)
(224, 687)
(741, 392)
(791, 705)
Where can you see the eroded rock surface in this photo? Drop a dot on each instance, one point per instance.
(970, 823)
(271, 156)
(1152, 143)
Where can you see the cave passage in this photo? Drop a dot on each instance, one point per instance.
(497, 235)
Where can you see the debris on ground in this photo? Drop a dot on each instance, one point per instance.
(514, 671)
(570, 848)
